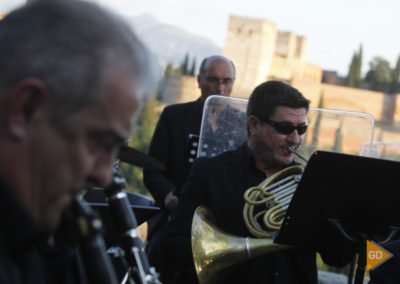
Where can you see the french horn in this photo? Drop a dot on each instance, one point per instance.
(274, 195)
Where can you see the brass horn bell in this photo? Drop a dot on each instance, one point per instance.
(214, 250)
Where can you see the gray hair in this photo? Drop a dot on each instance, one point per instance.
(68, 45)
(204, 62)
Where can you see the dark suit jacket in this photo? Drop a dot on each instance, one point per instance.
(219, 183)
(169, 145)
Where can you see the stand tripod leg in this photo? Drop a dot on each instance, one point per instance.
(361, 265)
(351, 270)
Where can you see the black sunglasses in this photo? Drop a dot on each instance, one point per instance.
(285, 127)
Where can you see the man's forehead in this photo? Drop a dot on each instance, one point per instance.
(219, 68)
(283, 111)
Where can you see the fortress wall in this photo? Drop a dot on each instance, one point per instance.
(190, 90)
(170, 89)
(180, 89)
(281, 68)
(184, 89)
(343, 98)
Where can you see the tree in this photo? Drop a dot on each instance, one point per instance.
(354, 75)
(140, 140)
(193, 69)
(379, 75)
(395, 85)
(169, 70)
(357, 68)
(185, 65)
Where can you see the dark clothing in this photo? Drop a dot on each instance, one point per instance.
(175, 144)
(219, 183)
(388, 272)
(25, 254)
(169, 145)
(20, 239)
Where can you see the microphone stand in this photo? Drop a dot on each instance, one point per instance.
(125, 224)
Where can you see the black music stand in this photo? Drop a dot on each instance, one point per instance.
(342, 201)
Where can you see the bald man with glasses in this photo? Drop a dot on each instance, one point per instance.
(173, 139)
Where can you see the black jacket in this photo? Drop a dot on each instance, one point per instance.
(170, 145)
(20, 239)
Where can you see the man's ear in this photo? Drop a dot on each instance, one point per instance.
(252, 123)
(26, 102)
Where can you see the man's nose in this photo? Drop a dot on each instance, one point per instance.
(101, 171)
(220, 87)
(294, 137)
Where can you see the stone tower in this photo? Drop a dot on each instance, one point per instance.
(250, 44)
(260, 52)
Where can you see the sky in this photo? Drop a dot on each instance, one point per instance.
(334, 29)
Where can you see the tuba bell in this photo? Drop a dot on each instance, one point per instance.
(214, 250)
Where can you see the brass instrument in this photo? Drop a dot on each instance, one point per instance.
(274, 194)
(213, 250)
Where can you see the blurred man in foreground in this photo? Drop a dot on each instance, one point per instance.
(72, 81)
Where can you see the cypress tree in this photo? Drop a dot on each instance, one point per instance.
(395, 85)
(357, 67)
(351, 78)
(185, 65)
(354, 75)
(193, 69)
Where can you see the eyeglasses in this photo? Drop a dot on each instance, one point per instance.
(216, 81)
(285, 127)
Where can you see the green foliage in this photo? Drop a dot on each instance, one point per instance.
(354, 75)
(395, 85)
(140, 140)
(169, 70)
(193, 69)
(379, 75)
(185, 65)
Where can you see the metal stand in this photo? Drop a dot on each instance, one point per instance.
(361, 243)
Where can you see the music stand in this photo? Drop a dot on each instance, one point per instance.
(341, 201)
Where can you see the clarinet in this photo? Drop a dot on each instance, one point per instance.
(125, 224)
(96, 262)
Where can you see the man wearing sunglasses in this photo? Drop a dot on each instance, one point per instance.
(276, 120)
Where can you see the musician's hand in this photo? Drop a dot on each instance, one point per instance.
(170, 200)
